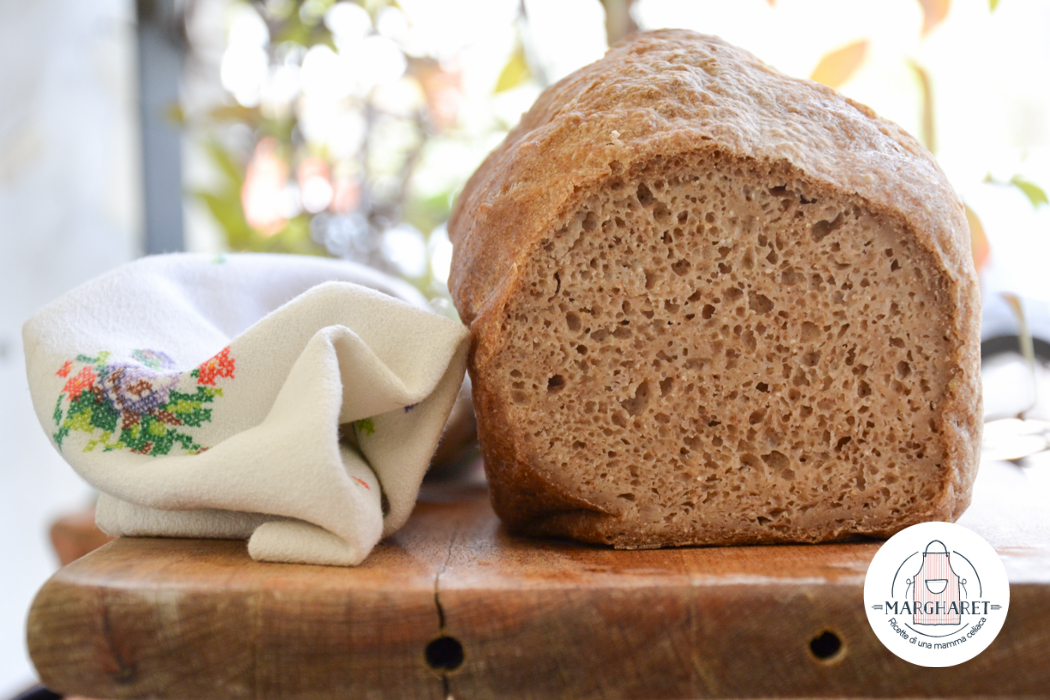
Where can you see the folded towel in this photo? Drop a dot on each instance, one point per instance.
(277, 398)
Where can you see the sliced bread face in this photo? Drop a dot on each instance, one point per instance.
(712, 304)
(711, 351)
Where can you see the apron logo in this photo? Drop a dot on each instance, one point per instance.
(936, 594)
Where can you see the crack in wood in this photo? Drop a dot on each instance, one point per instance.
(441, 611)
(125, 671)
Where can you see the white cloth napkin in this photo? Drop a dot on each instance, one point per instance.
(276, 398)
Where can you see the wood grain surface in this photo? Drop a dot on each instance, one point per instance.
(167, 618)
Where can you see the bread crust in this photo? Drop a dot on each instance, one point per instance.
(662, 94)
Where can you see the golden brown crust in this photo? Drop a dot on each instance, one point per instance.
(671, 92)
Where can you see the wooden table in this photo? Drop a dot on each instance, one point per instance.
(453, 606)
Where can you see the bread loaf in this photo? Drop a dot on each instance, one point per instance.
(713, 304)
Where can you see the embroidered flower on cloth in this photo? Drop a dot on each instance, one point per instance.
(154, 359)
(219, 366)
(141, 404)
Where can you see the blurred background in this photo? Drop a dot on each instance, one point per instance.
(346, 129)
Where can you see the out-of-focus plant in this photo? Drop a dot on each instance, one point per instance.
(344, 133)
(329, 113)
(1032, 191)
(838, 66)
(347, 127)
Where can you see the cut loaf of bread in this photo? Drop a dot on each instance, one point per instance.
(714, 304)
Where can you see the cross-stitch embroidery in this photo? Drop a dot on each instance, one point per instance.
(138, 404)
(219, 366)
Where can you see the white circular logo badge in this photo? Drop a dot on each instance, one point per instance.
(936, 594)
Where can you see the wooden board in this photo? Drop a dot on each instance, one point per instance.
(531, 619)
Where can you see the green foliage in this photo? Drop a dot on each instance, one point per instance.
(929, 130)
(427, 213)
(300, 22)
(515, 72)
(234, 113)
(1035, 194)
(224, 204)
(374, 184)
(174, 115)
